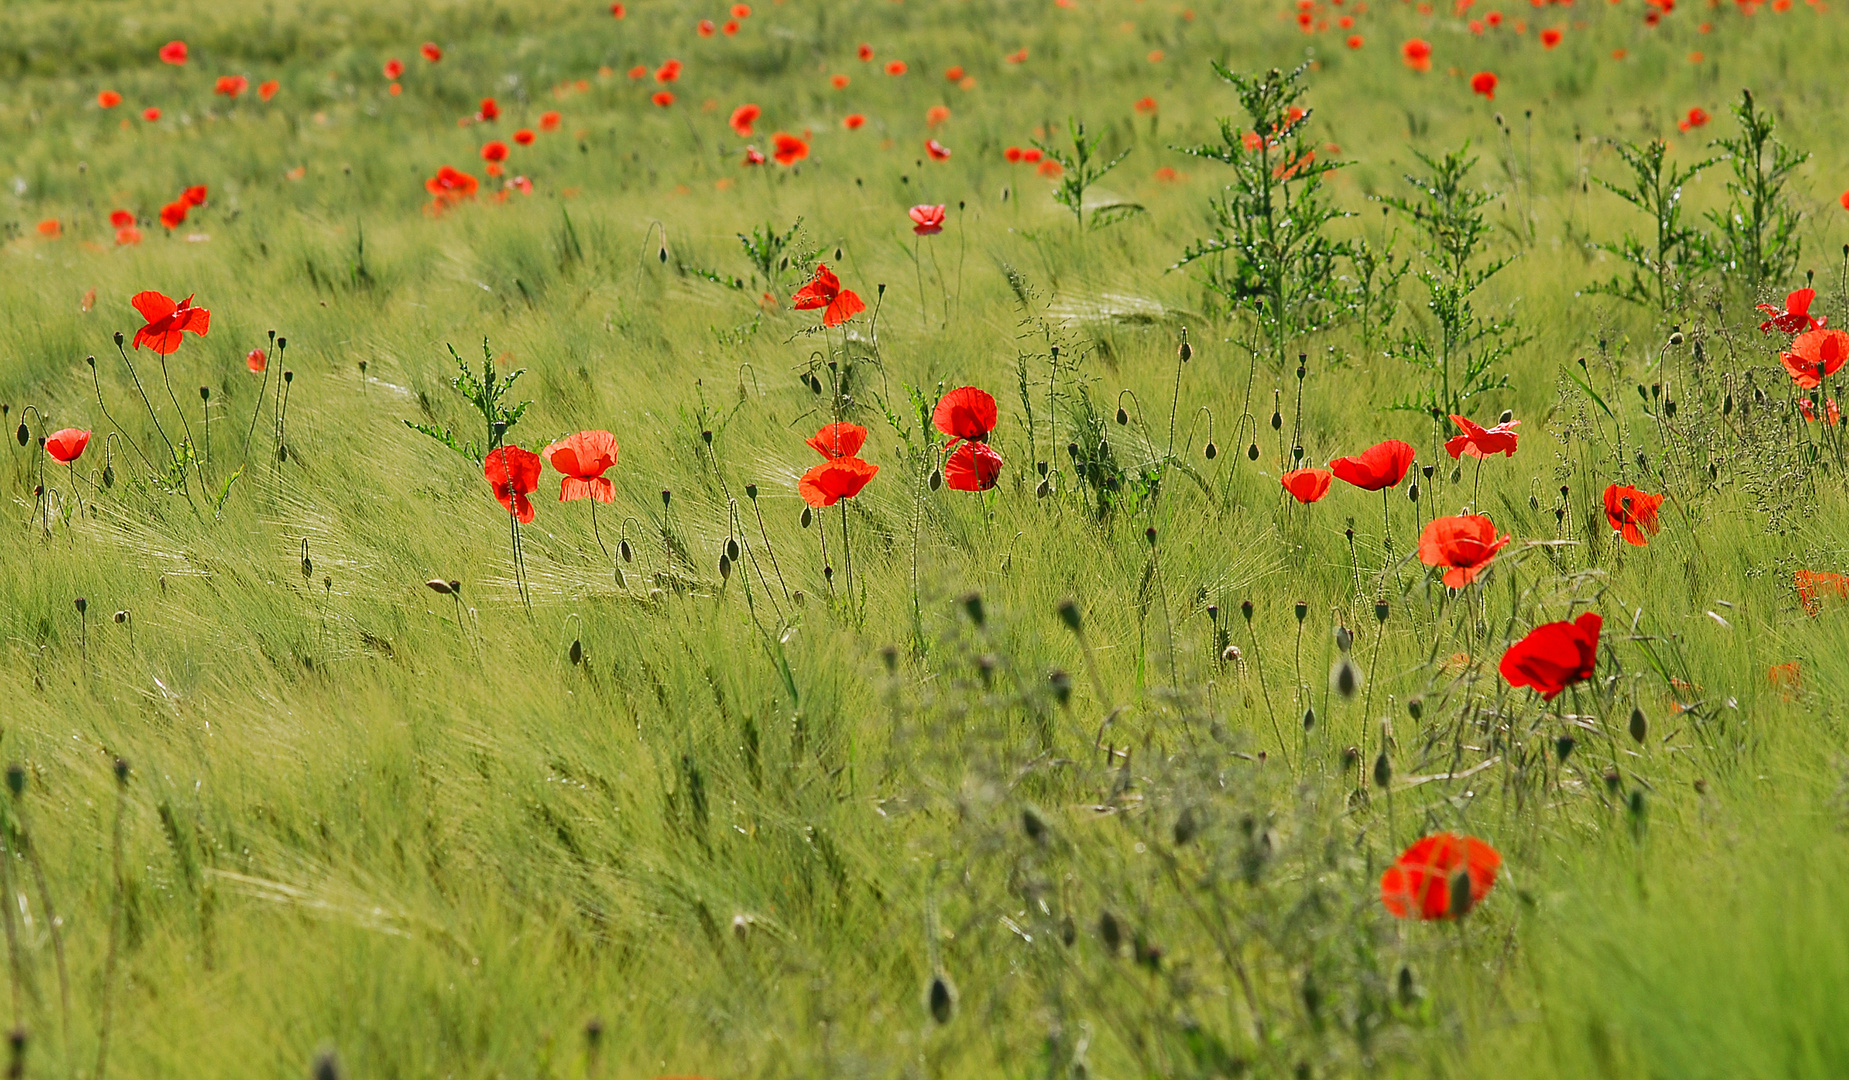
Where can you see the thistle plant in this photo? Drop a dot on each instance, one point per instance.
(1082, 167)
(1757, 233)
(1658, 272)
(489, 396)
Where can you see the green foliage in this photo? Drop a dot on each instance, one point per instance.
(1756, 235)
(1662, 268)
(1082, 166)
(488, 395)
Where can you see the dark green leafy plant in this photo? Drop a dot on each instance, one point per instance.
(1757, 234)
(488, 394)
(1660, 271)
(1083, 166)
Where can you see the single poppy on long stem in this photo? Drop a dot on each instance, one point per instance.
(1307, 485)
(513, 473)
(1554, 656)
(67, 445)
(584, 458)
(835, 481)
(1632, 513)
(1378, 468)
(1796, 318)
(1463, 546)
(824, 291)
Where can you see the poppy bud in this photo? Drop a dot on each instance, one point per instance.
(22, 434)
(623, 549)
(1675, 337)
(815, 384)
(1123, 417)
(1069, 614)
(828, 573)
(707, 436)
(837, 254)
(1669, 408)
(1212, 451)
(1415, 707)
(1640, 728)
(577, 652)
(1612, 779)
(751, 492)
(1033, 826)
(1383, 770)
(205, 393)
(621, 581)
(118, 339)
(1149, 534)
(940, 999)
(1061, 684)
(438, 586)
(662, 254)
(725, 567)
(121, 771)
(1456, 474)
(1350, 758)
(109, 476)
(1636, 806)
(1230, 654)
(1408, 988)
(890, 656)
(1344, 638)
(1296, 453)
(1346, 678)
(1245, 609)
(1277, 421)
(666, 497)
(1042, 489)
(807, 517)
(1380, 611)
(121, 616)
(1563, 747)
(936, 479)
(1309, 718)
(1460, 894)
(1110, 932)
(1412, 492)
(1186, 352)
(972, 603)
(798, 597)
(1147, 955)
(16, 779)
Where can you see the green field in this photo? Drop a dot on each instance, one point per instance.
(1094, 773)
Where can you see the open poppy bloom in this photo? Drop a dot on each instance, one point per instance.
(174, 52)
(231, 85)
(1814, 584)
(1464, 545)
(257, 361)
(743, 117)
(1484, 82)
(705, 28)
(67, 445)
(895, 67)
(1697, 117)
(927, 220)
(838, 440)
(824, 291)
(1417, 54)
(663, 98)
(936, 150)
(1632, 512)
(1376, 468)
(1830, 409)
(268, 89)
(173, 215)
(834, 480)
(754, 156)
(668, 71)
(972, 466)
(1554, 655)
(1307, 485)
(1147, 106)
(966, 413)
(1423, 882)
(1815, 354)
(50, 228)
(151, 113)
(865, 52)
(549, 121)
(1796, 318)
(127, 235)
(194, 196)
(1482, 442)
(121, 219)
(584, 458)
(167, 321)
(430, 52)
(495, 151)
(394, 68)
(853, 121)
(108, 99)
(514, 474)
(1550, 38)
(451, 186)
(790, 149)
(524, 137)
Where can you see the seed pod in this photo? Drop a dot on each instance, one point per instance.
(1149, 534)
(1252, 452)
(1640, 728)
(1380, 611)
(1212, 450)
(808, 516)
(577, 652)
(940, 999)
(751, 492)
(1061, 684)
(666, 497)
(1245, 609)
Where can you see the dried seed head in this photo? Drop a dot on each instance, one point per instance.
(1230, 655)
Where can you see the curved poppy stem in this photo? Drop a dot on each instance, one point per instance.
(262, 391)
(924, 319)
(96, 381)
(184, 423)
(768, 549)
(847, 560)
(172, 454)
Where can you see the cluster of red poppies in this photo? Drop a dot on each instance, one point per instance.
(176, 53)
(583, 458)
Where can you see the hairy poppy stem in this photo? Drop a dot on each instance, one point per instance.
(847, 561)
(96, 381)
(262, 392)
(771, 551)
(1258, 661)
(15, 973)
(185, 424)
(172, 454)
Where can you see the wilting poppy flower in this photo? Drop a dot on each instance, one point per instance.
(231, 85)
(524, 137)
(853, 121)
(431, 52)
(866, 52)
(451, 185)
(838, 440)
(50, 228)
(705, 28)
(67, 445)
(1632, 512)
(1554, 655)
(1464, 545)
(394, 68)
(743, 117)
(1830, 409)
(834, 480)
(584, 458)
(824, 291)
(927, 220)
(268, 89)
(966, 413)
(1307, 485)
(1484, 82)
(1482, 442)
(549, 121)
(1815, 354)
(514, 474)
(1376, 468)
(1695, 118)
(1417, 54)
(936, 150)
(173, 215)
(194, 196)
(668, 71)
(1419, 884)
(754, 156)
(257, 361)
(121, 219)
(1796, 318)
(127, 235)
(151, 114)
(167, 320)
(174, 52)
(895, 67)
(972, 466)
(108, 99)
(495, 151)
(790, 149)
(1550, 37)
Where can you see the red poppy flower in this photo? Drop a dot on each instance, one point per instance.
(730, 28)
(1419, 883)
(936, 115)
(1830, 409)
(1494, 18)
(1031, 154)
(1695, 118)
(1354, 41)
(584, 458)
(1632, 512)
(495, 151)
(167, 320)
(663, 98)
(151, 114)
(489, 110)
(966, 413)
(790, 149)
(1554, 655)
(754, 156)
(121, 219)
(1146, 106)
(231, 85)
(1463, 545)
(1417, 54)
(668, 71)
(1481, 442)
(1050, 169)
(927, 220)
(108, 99)
(257, 361)
(431, 52)
(174, 52)
(972, 466)
(393, 69)
(953, 73)
(1815, 354)
(268, 89)
(127, 235)
(1484, 82)
(834, 480)
(618, 11)
(194, 196)
(705, 28)
(524, 137)
(451, 185)
(638, 72)
(173, 215)
(839, 439)
(1377, 467)
(853, 121)
(895, 67)
(1796, 318)
(1550, 37)
(824, 291)
(743, 117)
(50, 228)
(839, 82)
(549, 121)
(1307, 485)
(67, 445)
(1013, 154)
(1019, 56)
(741, 11)
(936, 150)
(866, 52)
(514, 474)
(1813, 584)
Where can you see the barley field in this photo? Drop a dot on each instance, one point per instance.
(924, 539)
